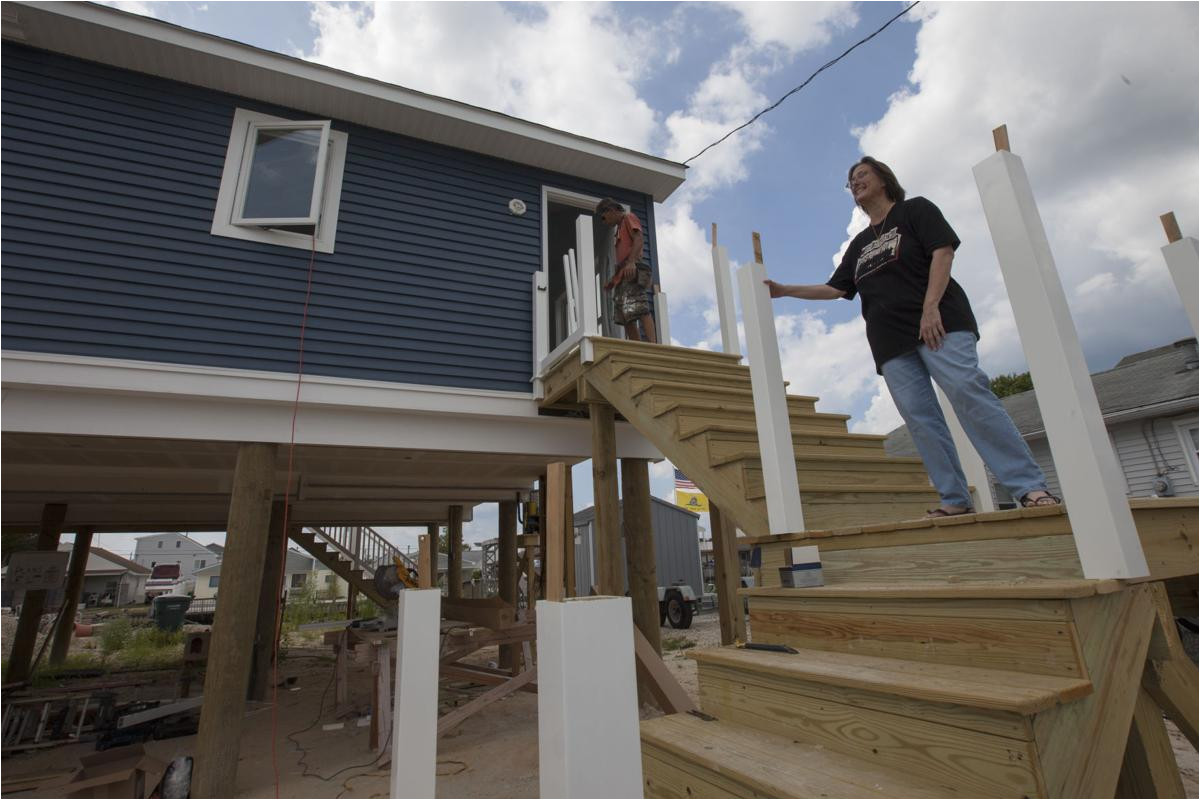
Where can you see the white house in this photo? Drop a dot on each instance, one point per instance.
(297, 572)
(174, 548)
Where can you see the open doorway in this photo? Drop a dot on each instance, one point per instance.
(562, 210)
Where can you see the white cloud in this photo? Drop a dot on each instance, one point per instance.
(131, 6)
(795, 26)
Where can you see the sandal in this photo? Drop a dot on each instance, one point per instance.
(1046, 499)
(938, 513)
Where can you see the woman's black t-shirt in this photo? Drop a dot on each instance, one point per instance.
(891, 272)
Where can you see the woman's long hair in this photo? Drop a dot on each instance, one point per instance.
(891, 186)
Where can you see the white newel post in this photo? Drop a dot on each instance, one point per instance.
(541, 328)
(588, 737)
(1181, 256)
(725, 308)
(1091, 479)
(662, 315)
(414, 721)
(968, 456)
(782, 488)
(586, 261)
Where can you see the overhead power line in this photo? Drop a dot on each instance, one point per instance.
(826, 66)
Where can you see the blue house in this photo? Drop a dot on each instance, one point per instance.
(176, 204)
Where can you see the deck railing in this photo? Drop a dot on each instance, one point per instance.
(363, 547)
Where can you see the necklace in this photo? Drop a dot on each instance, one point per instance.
(882, 222)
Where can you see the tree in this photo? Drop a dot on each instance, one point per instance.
(1005, 385)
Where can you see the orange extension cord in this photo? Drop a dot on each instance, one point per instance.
(287, 504)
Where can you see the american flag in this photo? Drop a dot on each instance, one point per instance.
(683, 484)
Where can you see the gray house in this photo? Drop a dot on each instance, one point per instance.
(676, 547)
(1149, 404)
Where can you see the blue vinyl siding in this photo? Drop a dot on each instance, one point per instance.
(109, 181)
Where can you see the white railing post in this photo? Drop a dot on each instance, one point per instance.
(725, 307)
(662, 315)
(968, 456)
(414, 720)
(586, 261)
(541, 328)
(1091, 479)
(588, 738)
(1181, 255)
(782, 488)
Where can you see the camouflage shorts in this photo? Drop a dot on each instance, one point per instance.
(630, 302)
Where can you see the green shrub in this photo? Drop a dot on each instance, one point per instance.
(670, 643)
(115, 635)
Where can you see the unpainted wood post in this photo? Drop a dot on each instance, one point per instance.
(506, 556)
(607, 531)
(266, 629)
(1183, 256)
(725, 308)
(588, 741)
(728, 577)
(227, 677)
(1092, 481)
(780, 483)
(968, 456)
(424, 562)
(20, 659)
(414, 719)
(433, 531)
(639, 548)
(454, 534)
(569, 533)
(75, 575)
(554, 525)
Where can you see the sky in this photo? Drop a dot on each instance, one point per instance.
(1100, 100)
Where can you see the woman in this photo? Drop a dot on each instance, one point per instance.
(920, 326)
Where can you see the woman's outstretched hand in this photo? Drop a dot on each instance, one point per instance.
(776, 289)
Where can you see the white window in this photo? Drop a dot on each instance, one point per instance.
(282, 181)
(200, 564)
(1189, 437)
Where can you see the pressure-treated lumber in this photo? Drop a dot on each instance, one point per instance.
(425, 560)
(1172, 684)
(227, 678)
(65, 627)
(555, 531)
(454, 541)
(452, 720)
(20, 660)
(687, 756)
(1150, 768)
(657, 679)
(728, 577)
(639, 548)
(607, 531)
(266, 628)
(490, 612)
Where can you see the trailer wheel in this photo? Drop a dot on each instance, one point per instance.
(679, 613)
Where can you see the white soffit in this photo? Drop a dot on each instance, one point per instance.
(129, 41)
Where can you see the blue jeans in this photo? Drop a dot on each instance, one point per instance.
(955, 367)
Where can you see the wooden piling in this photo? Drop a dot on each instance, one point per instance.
(607, 538)
(729, 573)
(639, 548)
(74, 591)
(554, 531)
(454, 534)
(266, 628)
(227, 678)
(20, 659)
(506, 557)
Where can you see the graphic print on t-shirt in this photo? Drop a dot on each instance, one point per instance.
(877, 255)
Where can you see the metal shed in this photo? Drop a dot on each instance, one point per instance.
(676, 547)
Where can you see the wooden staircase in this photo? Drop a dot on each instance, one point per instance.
(696, 407)
(959, 657)
(352, 553)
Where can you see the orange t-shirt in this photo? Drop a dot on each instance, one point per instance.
(625, 230)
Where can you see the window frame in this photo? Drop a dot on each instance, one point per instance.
(238, 156)
(1183, 429)
(249, 151)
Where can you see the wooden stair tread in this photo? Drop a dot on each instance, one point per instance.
(975, 687)
(769, 765)
(752, 430)
(1060, 589)
(628, 346)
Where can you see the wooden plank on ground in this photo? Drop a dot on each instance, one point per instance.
(654, 675)
(455, 718)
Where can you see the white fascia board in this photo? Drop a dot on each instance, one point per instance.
(108, 36)
(80, 395)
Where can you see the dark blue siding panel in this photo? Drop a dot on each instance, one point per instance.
(109, 181)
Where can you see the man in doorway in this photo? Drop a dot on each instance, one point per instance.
(631, 279)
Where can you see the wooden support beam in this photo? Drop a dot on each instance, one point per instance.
(456, 717)
(341, 666)
(728, 577)
(266, 628)
(607, 531)
(506, 556)
(490, 612)
(74, 590)
(659, 682)
(381, 692)
(553, 526)
(1171, 227)
(486, 675)
(20, 659)
(425, 562)
(639, 549)
(414, 719)
(569, 533)
(454, 553)
(1150, 768)
(227, 678)
(1000, 137)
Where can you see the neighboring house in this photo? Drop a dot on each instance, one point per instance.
(166, 195)
(297, 573)
(174, 548)
(676, 547)
(1149, 404)
(109, 579)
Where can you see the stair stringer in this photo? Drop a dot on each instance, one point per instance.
(342, 568)
(690, 455)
